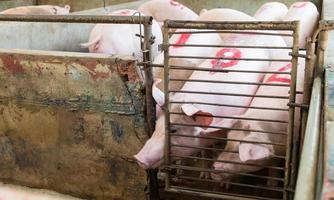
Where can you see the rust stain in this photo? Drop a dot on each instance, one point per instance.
(91, 67)
(130, 73)
(11, 64)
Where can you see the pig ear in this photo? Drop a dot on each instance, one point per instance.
(200, 117)
(189, 109)
(203, 11)
(158, 95)
(253, 152)
(68, 7)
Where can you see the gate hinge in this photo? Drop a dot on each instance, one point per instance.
(300, 55)
(299, 105)
(162, 47)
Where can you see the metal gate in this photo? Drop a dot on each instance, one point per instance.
(183, 177)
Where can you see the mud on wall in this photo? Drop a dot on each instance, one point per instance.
(71, 124)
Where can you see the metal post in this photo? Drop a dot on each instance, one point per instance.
(150, 105)
(290, 159)
(323, 41)
(167, 105)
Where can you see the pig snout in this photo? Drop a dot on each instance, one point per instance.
(151, 155)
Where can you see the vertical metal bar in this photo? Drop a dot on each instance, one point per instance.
(150, 105)
(167, 105)
(289, 163)
(323, 38)
(308, 80)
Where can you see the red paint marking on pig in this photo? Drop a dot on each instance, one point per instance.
(122, 12)
(91, 66)
(299, 5)
(277, 78)
(226, 53)
(12, 64)
(182, 39)
(176, 4)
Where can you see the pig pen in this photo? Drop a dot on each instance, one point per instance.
(72, 121)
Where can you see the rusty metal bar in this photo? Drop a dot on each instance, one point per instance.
(225, 139)
(231, 25)
(231, 82)
(229, 94)
(232, 32)
(227, 161)
(216, 195)
(224, 58)
(290, 160)
(180, 67)
(167, 104)
(198, 169)
(234, 117)
(227, 105)
(215, 149)
(102, 19)
(229, 46)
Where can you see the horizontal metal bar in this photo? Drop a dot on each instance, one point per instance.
(326, 24)
(198, 169)
(79, 19)
(180, 67)
(228, 46)
(277, 189)
(222, 138)
(228, 161)
(213, 194)
(234, 117)
(229, 94)
(223, 25)
(227, 105)
(215, 149)
(225, 58)
(232, 32)
(230, 82)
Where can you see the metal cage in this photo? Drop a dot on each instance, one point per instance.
(183, 177)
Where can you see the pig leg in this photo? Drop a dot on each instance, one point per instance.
(205, 165)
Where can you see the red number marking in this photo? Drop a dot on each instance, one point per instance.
(182, 40)
(276, 78)
(176, 4)
(299, 4)
(226, 53)
(122, 12)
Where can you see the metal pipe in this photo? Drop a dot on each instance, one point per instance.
(227, 105)
(215, 195)
(232, 25)
(167, 105)
(227, 161)
(234, 117)
(225, 58)
(229, 94)
(306, 182)
(289, 162)
(231, 82)
(277, 189)
(232, 32)
(180, 67)
(225, 139)
(198, 169)
(228, 46)
(102, 19)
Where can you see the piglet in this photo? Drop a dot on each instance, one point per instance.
(38, 10)
(271, 11)
(161, 10)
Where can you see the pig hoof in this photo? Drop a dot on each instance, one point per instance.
(272, 183)
(204, 175)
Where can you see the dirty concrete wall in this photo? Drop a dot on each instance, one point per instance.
(72, 124)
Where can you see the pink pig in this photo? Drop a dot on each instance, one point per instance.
(272, 11)
(307, 13)
(38, 10)
(260, 154)
(120, 38)
(151, 154)
(161, 10)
